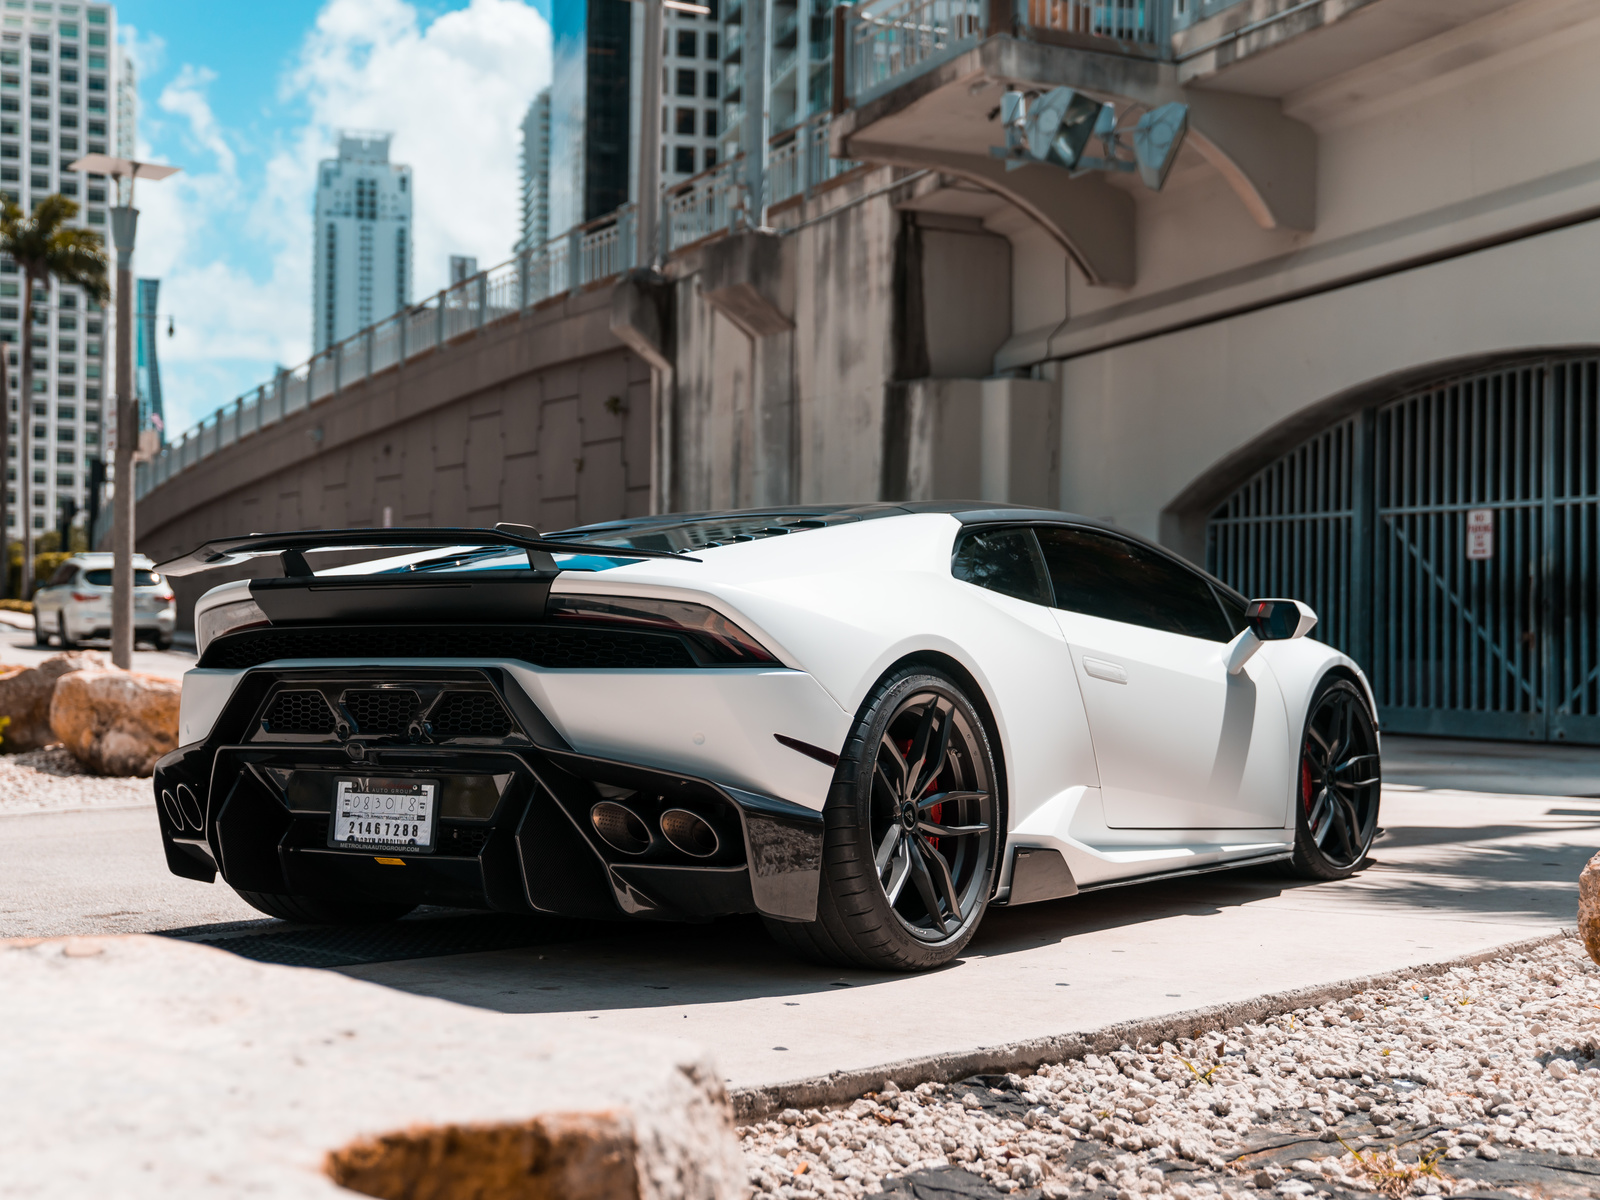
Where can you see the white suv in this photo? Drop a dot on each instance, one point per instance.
(75, 605)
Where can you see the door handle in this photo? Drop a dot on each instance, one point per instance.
(1101, 669)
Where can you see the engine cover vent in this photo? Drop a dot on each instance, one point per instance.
(381, 710)
(469, 714)
(299, 712)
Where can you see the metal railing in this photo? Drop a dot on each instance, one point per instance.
(888, 42)
(703, 206)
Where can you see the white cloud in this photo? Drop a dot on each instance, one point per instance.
(453, 94)
(231, 237)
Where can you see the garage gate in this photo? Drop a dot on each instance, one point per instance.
(1449, 541)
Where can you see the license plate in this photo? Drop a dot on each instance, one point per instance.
(383, 814)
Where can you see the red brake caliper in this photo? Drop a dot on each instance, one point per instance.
(1305, 783)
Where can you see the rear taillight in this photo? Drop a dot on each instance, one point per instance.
(85, 597)
(717, 638)
(166, 597)
(226, 618)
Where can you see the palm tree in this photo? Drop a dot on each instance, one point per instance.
(44, 246)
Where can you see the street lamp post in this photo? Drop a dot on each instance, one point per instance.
(124, 227)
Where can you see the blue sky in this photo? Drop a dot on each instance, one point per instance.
(248, 102)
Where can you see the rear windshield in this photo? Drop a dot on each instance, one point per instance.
(102, 578)
(696, 533)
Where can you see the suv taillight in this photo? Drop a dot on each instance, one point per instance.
(84, 597)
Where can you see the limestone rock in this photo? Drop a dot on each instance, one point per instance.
(116, 722)
(26, 693)
(1589, 907)
(276, 1074)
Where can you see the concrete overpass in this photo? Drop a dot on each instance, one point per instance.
(541, 416)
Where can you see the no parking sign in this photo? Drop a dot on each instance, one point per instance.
(1480, 533)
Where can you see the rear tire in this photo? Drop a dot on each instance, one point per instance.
(40, 637)
(1338, 788)
(319, 910)
(61, 631)
(911, 846)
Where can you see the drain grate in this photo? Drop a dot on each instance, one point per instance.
(418, 937)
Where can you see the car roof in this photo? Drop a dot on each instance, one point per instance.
(967, 512)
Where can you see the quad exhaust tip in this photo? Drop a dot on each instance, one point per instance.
(169, 804)
(188, 808)
(689, 833)
(621, 828)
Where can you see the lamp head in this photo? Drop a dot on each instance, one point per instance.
(1060, 124)
(1156, 141)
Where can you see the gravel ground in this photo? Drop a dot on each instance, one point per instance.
(1483, 1081)
(51, 780)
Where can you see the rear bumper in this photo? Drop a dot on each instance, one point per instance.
(257, 813)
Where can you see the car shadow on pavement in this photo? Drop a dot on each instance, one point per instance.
(1517, 873)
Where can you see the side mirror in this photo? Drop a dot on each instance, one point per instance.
(1279, 620)
(1267, 621)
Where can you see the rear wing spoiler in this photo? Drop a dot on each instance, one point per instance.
(291, 548)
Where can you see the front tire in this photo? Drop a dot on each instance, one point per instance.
(1339, 785)
(913, 832)
(318, 910)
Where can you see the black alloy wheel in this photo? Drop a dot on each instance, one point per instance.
(913, 832)
(1340, 778)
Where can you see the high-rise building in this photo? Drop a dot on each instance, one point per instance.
(592, 163)
(535, 174)
(65, 91)
(361, 239)
(691, 93)
(799, 58)
(591, 110)
(146, 365)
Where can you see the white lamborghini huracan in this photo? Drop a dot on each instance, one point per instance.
(867, 724)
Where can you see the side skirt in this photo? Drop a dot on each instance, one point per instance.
(1253, 861)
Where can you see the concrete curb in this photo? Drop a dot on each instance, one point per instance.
(754, 1103)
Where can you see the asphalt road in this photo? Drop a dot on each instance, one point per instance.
(1456, 872)
(17, 646)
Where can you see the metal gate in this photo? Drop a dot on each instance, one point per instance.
(1449, 541)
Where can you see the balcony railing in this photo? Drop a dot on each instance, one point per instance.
(703, 206)
(888, 42)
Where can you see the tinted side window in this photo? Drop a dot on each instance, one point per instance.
(1232, 608)
(1002, 560)
(1104, 576)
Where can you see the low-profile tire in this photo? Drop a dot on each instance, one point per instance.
(913, 832)
(1339, 783)
(61, 632)
(320, 910)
